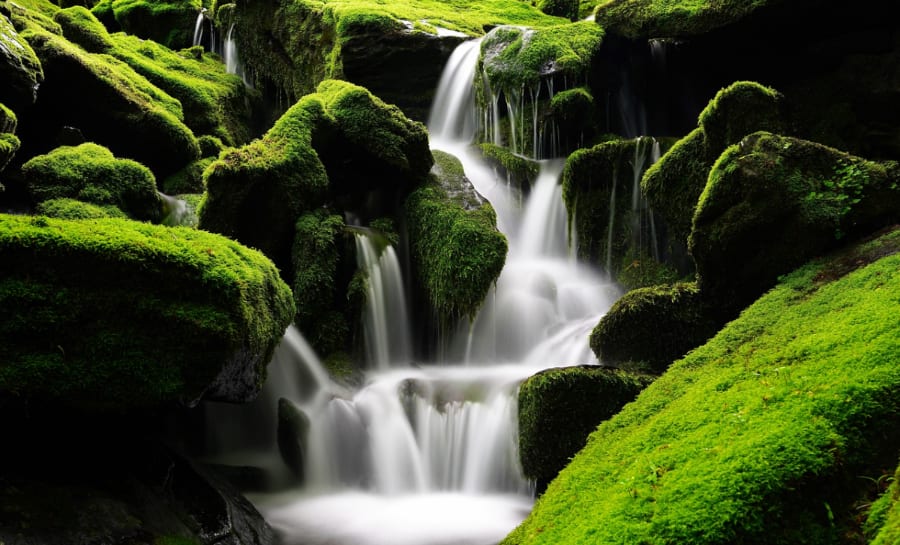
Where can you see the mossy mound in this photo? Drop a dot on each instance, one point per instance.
(599, 193)
(672, 18)
(559, 408)
(91, 173)
(116, 107)
(675, 182)
(20, 69)
(457, 251)
(70, 209)
(189, 179)
(519, 171)
(9, 142)
(82, 27)
(168, 22)
(649, 328)
(759, 435)
(773, 202)
(124, 315)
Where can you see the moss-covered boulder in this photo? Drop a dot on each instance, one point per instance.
(20, 68)
(613, 225)
(518, 171)
(294, 45)
(882, 525)
(113, 314)
(91, 173)
(559, 408)
(110, 104)
(773, 202)
(760, 435)
(672, 18)
(169, 22)
(651, 327)
(82, 27)
(674, 183)
(71, 209)
(9, 142)
(457, 251)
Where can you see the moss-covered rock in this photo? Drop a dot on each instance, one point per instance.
(70, 209)
(613, 225)
(82, 27)
(559, 408)
(757, 437)
(169, 22)
(91, 173)
(9, 142)
(882, 525)
(674, 183)
(122, 314)
(116, 107)
(773, 202)
(456, 248)
(20, 68)
(519, 171)
(672, 18)
(651, 327)
(189, 179)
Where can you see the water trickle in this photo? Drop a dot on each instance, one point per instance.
(198, 27)
(232, 60)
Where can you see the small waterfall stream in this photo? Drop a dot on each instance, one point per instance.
(427, 454)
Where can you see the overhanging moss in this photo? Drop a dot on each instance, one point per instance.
(169, 22)
(122, 314)
(518, 170)
(458, 253)
(759, 435)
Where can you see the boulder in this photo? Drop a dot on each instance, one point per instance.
(20, 68)
(9, 142)
(124, 315)
(559, 408)
(71, 209)
(168, 22)
(650, 19)
(90, 173)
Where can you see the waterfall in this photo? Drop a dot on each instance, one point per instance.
(232, 60)
(198, 28)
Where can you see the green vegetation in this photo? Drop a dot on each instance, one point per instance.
(82, 27)
(70, 209)
(573, 111)
(457, 251)
(882, 526)
(520, 171)
(20, 68)
(189, 179)
(91, 173)
(773, 202)
(168, 22)
(9, 143)
(759, 435)
(649, 328)
(559, 408)
(124, 314)
(671, 18)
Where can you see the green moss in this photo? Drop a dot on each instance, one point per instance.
(70, 209)
(672, 18)
(559, 408)
(19, 66)
(118, 108)
(759, 435)
(773, 202)
(654, 326)
(91, 173)
(82, 27)
(883, 522)
(33, 14)
(458, 253)
(316, 256)
(8, 120)
(124, 314)
(515, 56)
(210, 146)
(560, 8)
(168, 22)
(189, 179)
(9, 145)
(518, 170)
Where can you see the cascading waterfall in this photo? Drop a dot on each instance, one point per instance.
(427, 454)
(198, 28)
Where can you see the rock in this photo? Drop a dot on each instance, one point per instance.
(90, 173)
(168, 22)
(559, 408)
(649, 19)
(70, 209)
(82, 27)
(293, 427)
(457, 252)
(518, 171)
(20, 68)
(124, 315)
(774, 202)
(9, 142)
(649, 328)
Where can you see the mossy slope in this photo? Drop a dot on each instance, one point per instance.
(672, 18)
(168, 22)
(116, 314)
(759, 435)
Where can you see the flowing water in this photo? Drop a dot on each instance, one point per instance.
(426, 454)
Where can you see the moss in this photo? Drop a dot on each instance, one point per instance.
(117, 107)
(8, 120)
(561, 8)
(124, 314)
(82, 27)
(756, 437)
(773, 202)
(559, 408)
(513, 57)
(9, 145)
(458, 253)
(316, 257)
(189, 179)
(573, 111)
(33, 14)
(168, 22)
(210, 146)
(518, 170)
(19, 67)
(70, 209)
(883, 522)
(672, 18)
(654, 326)
(91, 173)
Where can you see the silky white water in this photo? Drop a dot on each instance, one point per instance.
(426, 453)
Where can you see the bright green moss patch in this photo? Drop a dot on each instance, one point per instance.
(189, 179)
(9, 143)
(559, 408)
(19, 66)
(519, 170)
(82, 27)
(672, 18)
(116, 314)
(773, 202)
(757, 436)
(92, 174)
(883, 523)
(169, 22)
(458, 252)
(70, 209)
